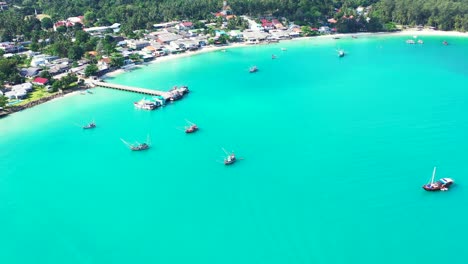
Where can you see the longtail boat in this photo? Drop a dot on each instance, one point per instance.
(90, 125)
(230, 158)
(440, 185)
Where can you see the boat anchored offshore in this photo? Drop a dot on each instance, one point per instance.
(440, 185)
(137, 146)
(420, 41)
(253, 69)
(445, 43)
(410, 41)
(273, 56)
(90, 125)
(230, 158)
(191, 128)
(341, 53)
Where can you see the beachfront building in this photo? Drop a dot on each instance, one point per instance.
(40, 81)
(324, 30)
(236, 34)
(19, 91)
(167, 38)
(252, 37)
(187, 44)
(280, 34)
(137, 44)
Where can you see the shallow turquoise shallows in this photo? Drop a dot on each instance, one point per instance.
(335, 151)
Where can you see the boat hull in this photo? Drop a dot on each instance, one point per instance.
(441, 185)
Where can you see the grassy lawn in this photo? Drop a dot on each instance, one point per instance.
(36, 94)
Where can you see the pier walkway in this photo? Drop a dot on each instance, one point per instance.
(131, 89)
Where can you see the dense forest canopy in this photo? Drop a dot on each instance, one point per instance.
(142, 14)
(137, 14)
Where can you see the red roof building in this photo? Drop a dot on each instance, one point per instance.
(40, 81)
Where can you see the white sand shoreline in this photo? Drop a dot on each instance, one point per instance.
(206, 49)
(407, 32)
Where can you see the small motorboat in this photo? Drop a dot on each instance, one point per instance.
(341, 53)
(137, 146)
(146, 104)
(191, 129)
(273, 57)
(253, 69)
(420, 41)
(230, 158)
(283, 49)
(89, 91)
(440, 185)
(445, 43)
(142, 146)
(410, 41)
(90, 125)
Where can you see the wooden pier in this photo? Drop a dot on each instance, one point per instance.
(131, 89)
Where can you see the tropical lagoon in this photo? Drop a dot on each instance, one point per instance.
(334, 152)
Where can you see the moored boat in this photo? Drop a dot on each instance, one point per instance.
(445, 43)
(137, 146)
(146, 104)
(341, 53)
(273, 57)
(191, 128)
(230, 158)
(90, 125)
(142, 146)
(420, 41)
(440, 185)
(253, 69)
(410, 41)
(177, 93)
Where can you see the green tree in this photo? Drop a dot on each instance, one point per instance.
(117, 60)
(46, 23)
(91, 70)
(306, 31)
(3, 101)
(89, 17)
(75, 52)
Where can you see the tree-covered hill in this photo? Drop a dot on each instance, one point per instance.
(140, 14)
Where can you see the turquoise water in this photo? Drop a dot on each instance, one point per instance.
(335, 152)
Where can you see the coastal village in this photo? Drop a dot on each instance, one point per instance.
(49, 76)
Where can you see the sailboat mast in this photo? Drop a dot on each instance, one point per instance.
(433, 175)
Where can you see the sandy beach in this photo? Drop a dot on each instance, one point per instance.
(206, 49)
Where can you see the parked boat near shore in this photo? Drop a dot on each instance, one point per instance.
(146, 104)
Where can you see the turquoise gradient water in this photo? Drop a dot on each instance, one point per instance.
(335, 152)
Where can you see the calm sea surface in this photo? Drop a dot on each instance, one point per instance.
(335, 152)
